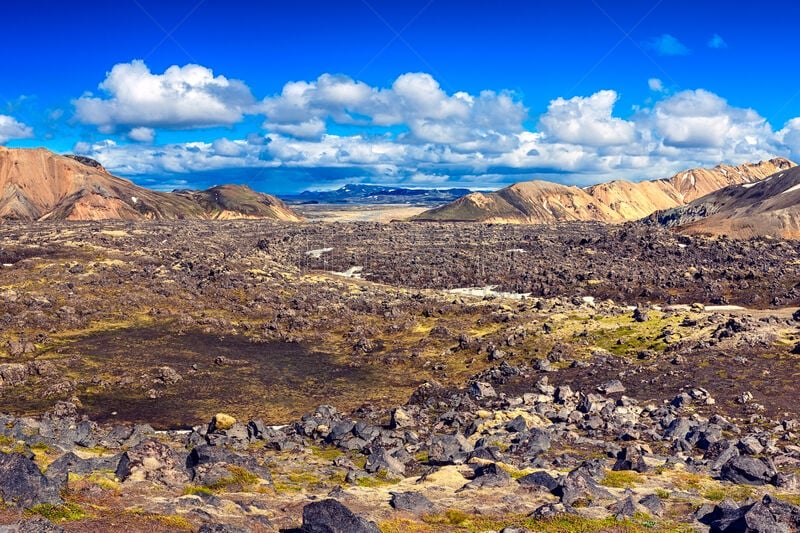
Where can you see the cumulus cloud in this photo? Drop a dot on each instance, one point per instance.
(414, 133)
(667, 45)
(180, 98)
(717, 42)
(10, 128)
(703, 120)
(656, 85)
(587, 121)
(142, 134)
(414, 101)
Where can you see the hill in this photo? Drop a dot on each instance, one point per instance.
(542, 202)
(770, 207)
(36, 184)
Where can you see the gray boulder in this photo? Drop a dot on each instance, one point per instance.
(330, 516)
(23, 485)
(747, 470)
(413, 502)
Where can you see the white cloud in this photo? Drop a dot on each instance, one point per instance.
(415, 101)
(587, 121)
(413, 132)
(703, 120)
(667, 45)
(142, 134)
(180, 98)
(789, 135)
(656, 85)
(10, 128)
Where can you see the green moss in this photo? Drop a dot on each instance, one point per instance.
(59, 513)
(736, 493)
(240, 477)
(197, 490)
(380, 479)
(325, 453)
(175, 522)
(622, 479)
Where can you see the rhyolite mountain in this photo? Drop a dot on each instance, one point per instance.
(37, 184)
(542, 202)
(770, 207)
(361, 193)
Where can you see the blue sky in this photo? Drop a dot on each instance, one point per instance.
(287, 96)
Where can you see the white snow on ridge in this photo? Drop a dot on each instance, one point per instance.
(792, 189)
(748, 185)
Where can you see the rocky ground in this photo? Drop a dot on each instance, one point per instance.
(222, 377)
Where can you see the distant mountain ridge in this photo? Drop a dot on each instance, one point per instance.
(37, 184)
(377, 194)
(542, 202)
(770, 207)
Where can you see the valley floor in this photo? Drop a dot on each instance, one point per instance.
(611, 396)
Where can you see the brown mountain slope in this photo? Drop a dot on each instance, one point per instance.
(540, 202)
(770, 207)
(36, 184)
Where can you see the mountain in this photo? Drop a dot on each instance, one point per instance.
(541, 202)
(36, 184)
(376, 194)
(770, 207)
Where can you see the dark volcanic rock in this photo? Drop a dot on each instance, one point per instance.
(748, 471)
(449, 449)
(414, 502)
(22, 484)
(330, 516)
(154, 461)
(539, 479)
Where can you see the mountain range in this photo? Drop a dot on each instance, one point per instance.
(542, 202)
(36, 184)
(770, 207)
(377, 194)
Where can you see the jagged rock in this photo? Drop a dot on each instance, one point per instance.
(487, 476)
(532, 442)
(577, 485)
(614, 386)
(23, 485)
(60, 469)
(448, 449)
(748, 471)
(381, 459)
(209, 464)
(401, 419)
(414, 502)
(153, 461)
(653, 504)
(330, 516)
(480, 390)
(630, 458)
(624, 508)
(769, 515)
(539, 479)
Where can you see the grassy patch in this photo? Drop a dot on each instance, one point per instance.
(175, 522)
(196, 490)
(240, 477)
(66, 512)
(622, 479)
(735, 493)
(381, 479)
(328, 454)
